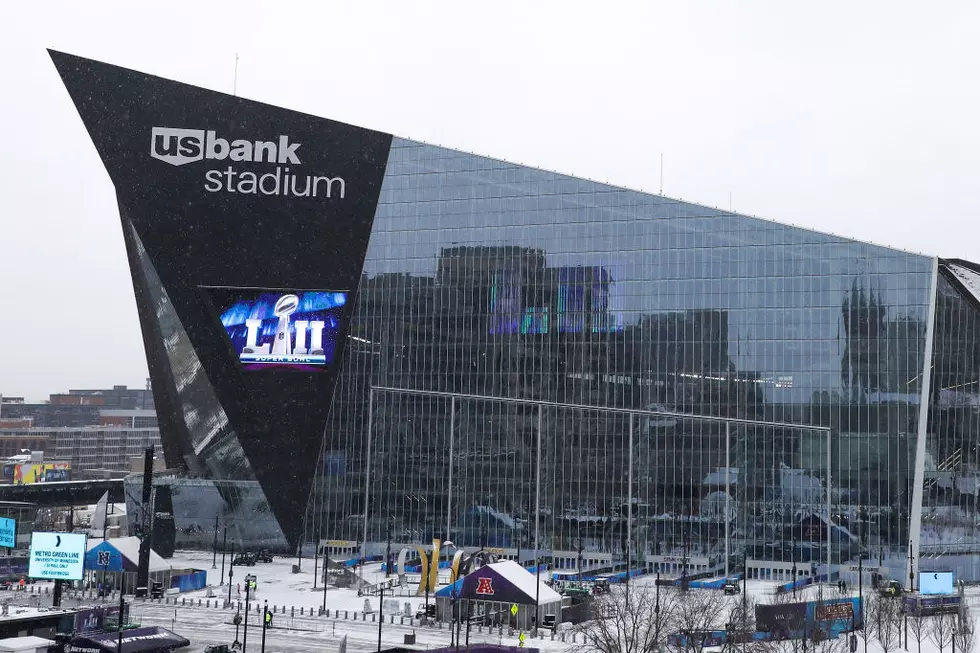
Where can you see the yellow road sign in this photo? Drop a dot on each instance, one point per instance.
(513, 609)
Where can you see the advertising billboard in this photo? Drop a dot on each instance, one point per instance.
(30, 473)
(281, 329)
(57, 556)
(8, 532)
(935, 582)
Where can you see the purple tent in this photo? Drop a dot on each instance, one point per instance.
(138, 640)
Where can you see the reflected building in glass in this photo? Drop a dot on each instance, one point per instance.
(610, 314)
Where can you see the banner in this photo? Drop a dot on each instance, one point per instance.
(30, 473)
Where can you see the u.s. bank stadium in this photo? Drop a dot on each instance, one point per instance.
(463, 348)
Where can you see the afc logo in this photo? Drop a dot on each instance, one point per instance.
(104, 558)
(484, 586)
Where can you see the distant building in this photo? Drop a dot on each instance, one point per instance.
(119, 396)
(102, 448)
(77, 407)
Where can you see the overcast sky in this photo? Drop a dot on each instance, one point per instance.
(858, 118)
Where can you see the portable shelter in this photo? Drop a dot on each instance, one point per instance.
(490, 595)
(153, 639)
(115, 562)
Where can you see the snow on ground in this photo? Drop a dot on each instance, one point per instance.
(280, 587)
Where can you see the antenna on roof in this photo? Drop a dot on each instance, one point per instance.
(661, 173)
(234, 87)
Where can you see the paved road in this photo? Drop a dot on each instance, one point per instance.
(205, 626)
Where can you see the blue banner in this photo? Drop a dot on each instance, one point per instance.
(8, 532)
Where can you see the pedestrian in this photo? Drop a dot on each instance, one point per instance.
(844, 583)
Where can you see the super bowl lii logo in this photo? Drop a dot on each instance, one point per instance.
(283, 349)
(287, 328)
(179, 147)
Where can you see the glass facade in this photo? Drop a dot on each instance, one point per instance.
(492, 279)
(950, 532)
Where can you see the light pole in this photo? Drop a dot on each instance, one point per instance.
(214, 559)
(224, 545)
(266, 618)
(231, 572)
(454, 600)
(248, 587)
(381, 614)
(122, 609)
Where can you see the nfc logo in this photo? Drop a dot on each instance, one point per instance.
(177, 146)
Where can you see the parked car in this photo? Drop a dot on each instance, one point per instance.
(244, 559)
(426, 611)
(263, 556)
(217, 648)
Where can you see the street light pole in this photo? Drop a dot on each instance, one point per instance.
(381, 614)
(224, 545)
(122, 609)
(248, 587)
(214, 559)
(265, 621)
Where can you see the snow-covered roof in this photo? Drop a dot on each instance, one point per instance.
(524, 581)
(29, 643)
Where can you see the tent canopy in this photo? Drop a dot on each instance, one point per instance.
(506, 582)
(120, 554)
(152, 638)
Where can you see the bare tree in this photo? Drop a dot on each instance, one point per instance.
(941, 630)
(965, 638)
(697, 613)
(739, 621)
(919, 625)
(639, 625)
(888, 625)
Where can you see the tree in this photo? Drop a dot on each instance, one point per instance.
(965, 637)
(640, 625)
(941, 630)
(696, 614)
(883, 621)
(919, 626)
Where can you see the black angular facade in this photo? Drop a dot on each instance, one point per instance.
(166, 147)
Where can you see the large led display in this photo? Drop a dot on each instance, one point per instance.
(281, 329)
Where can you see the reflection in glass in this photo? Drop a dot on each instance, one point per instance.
(487, 278)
